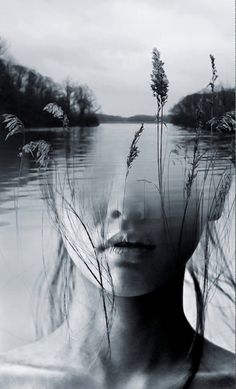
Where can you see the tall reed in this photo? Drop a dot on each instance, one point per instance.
(159, 86)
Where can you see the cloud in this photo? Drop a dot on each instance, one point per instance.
(107, 44)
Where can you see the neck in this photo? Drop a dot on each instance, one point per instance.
(145, 329)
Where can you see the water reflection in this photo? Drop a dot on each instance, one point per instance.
(96, 158)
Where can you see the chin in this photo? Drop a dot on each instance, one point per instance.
(128, 283)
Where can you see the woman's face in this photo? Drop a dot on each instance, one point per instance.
(135, 232)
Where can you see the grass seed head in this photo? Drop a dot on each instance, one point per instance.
(159, 81)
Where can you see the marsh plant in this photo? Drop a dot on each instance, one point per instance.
(134, 150)
(159, 81)
(159, 86)
(39, 150)
(226, 122)
(57, 112)
(13, 125)
(212, 82)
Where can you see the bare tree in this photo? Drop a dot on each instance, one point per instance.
(79, 99)
(68, 95)
(85, 100)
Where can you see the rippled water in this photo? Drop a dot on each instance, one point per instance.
(26, 235)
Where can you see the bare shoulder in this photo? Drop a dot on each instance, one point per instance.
(22, 368)
(36, 354)
(217, 368)
(217, 359)
(35, 366)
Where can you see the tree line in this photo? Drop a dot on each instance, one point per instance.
(184, 112)
(24, 92)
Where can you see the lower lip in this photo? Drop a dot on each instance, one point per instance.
(128, 248)
(126, 256)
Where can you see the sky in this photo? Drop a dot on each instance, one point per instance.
(107, 44)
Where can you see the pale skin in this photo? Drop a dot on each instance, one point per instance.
(150, 336)
(148, 349)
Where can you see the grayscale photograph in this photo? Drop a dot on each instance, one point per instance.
(117, 194)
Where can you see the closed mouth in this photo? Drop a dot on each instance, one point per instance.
(134, 245)
(118, 243)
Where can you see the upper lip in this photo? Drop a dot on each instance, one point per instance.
(123, 241)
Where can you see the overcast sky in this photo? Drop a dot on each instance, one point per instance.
(107, 44)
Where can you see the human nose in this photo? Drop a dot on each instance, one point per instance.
(127, 206)
(127, 220)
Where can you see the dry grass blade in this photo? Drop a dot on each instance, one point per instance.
(13, 124)
(134, 151)
(214, 73)
(57, 112)
(39, 150)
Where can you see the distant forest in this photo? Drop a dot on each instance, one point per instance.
(103, 118)
(25, 92)
(184, 112)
